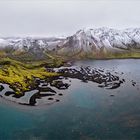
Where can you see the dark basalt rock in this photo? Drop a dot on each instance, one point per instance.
(133, 83)
(57, 100)
(32, 100)
(46, 89)
(60, 94)
(8, 93)
(18, 95)
(37, 81)
(95, 75)
(59, 84)
(114, 85)
(38, 95)
(101, 86)
(50, 98)
(1, 88)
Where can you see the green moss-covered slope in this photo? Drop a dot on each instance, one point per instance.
(21, 75)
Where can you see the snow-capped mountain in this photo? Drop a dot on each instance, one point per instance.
(28, 43)
(103, 38)
(83, 41)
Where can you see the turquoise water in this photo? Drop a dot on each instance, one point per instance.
(86, 112)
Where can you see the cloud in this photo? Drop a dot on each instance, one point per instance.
(59, 17)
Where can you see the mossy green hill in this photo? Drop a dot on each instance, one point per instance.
(21, 75)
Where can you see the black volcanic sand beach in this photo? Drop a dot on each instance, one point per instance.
(50, 90)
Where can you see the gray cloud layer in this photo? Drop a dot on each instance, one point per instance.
(52, 18)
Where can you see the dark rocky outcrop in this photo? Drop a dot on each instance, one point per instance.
(104, 79)
(59, 84)
(1, 87)
(46, 89)
(8, 93)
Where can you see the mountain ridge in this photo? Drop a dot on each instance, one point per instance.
(98, 42)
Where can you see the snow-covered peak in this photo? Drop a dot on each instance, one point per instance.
(109, 38)
(84, 40)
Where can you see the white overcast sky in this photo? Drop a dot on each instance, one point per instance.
(65, 17)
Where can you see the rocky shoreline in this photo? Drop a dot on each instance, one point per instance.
(51, 89)
(85, 74)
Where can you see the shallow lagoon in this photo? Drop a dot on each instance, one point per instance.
(86, 112)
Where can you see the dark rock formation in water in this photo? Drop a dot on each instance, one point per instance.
(51, 88)
(104, 79)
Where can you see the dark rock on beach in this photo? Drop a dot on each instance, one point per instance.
(46, 89)
(85, 74)
(18, 95)
(32, 100)
(40, 95)
(133, 83)
(50, 98)
(8, 93)
(59, 84)
(57, 100)
(1, 87)
(60, 94)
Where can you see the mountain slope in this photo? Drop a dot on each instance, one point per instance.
(100, 43)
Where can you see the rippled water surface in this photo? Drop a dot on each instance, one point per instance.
(86, 112)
